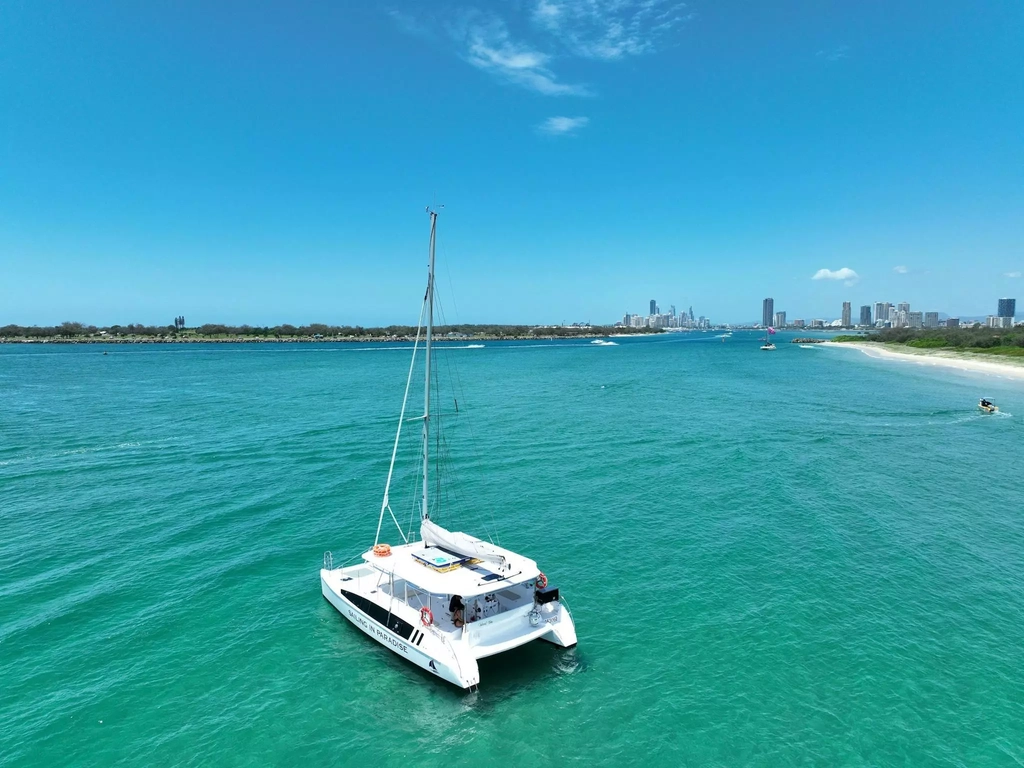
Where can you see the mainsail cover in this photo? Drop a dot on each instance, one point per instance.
(434, 535)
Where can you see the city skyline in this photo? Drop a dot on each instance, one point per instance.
(880, 314)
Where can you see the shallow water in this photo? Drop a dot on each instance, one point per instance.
(808, 556)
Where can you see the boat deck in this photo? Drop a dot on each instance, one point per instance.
(368, 581)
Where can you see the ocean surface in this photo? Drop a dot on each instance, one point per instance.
(808, 557)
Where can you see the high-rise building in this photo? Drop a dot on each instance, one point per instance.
(654, 307)
(903, 306)
(881, 313)
(691, 315)
(846, 314)
(931, 319)
(914, 319)
(865, 314)
(1007, 307)
(780, 319)
(767, 312)
(952, 322)
(672, 310)
(798, 323)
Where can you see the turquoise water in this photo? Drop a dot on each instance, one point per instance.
(807, 557)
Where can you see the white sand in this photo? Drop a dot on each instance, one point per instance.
(1010, 368)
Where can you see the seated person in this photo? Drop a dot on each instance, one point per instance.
(456, 606)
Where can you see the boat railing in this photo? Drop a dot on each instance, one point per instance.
(328, 561)
(562, 606)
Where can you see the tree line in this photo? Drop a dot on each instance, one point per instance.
(73, 330)
(978, 337)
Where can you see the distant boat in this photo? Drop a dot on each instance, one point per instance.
(445, 599)
(768, 346)
(604, 343)
(987, 406)
(474, 346)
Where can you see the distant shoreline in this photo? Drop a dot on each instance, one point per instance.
(310, 340)
(1012, 368)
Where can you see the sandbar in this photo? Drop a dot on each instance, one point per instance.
(1010, 368)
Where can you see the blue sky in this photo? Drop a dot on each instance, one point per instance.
(270, 162)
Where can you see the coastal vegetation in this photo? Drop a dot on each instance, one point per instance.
(992, 341)
(75, 332)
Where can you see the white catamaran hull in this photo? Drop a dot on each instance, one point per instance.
(452, 656)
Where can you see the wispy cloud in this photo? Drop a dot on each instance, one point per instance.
(1011, 274)
(545, 32)
(562, 126)
(610, 29)
(900, 270)
(847, 275)
(834, 54)
(488, 46)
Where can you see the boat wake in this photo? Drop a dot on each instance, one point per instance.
(605, 343)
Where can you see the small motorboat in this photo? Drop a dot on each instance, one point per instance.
(767, 347)
(987, 406)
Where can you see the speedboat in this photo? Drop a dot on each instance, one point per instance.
(987, 406)
(441, 599)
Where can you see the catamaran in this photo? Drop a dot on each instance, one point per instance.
(447, 599)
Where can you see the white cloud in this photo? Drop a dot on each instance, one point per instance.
(610, 29)
(834, 54)
(594, 29)
(901, 270)
(1012, 274)
(561, 126)
(846, 274)
(490, 48)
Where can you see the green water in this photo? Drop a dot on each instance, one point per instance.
(805, 557)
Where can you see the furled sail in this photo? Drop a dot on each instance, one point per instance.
(434, 535)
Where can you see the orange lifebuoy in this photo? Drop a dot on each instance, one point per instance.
(542, 581)
(426, 616)
(382, 550)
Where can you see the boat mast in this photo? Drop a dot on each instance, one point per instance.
(425, 513)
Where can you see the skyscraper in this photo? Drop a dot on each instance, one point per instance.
(767, 312)
(780, 319)
(846, 314)
(1007, 307)
(881, 312)
(903, 306)
(865, 314)
(654, 307)
(931, 319)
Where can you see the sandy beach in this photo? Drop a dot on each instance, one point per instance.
(1009, 368)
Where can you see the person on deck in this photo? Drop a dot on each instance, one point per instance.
(457, 607)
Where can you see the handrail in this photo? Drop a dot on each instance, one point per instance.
(328, 561)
